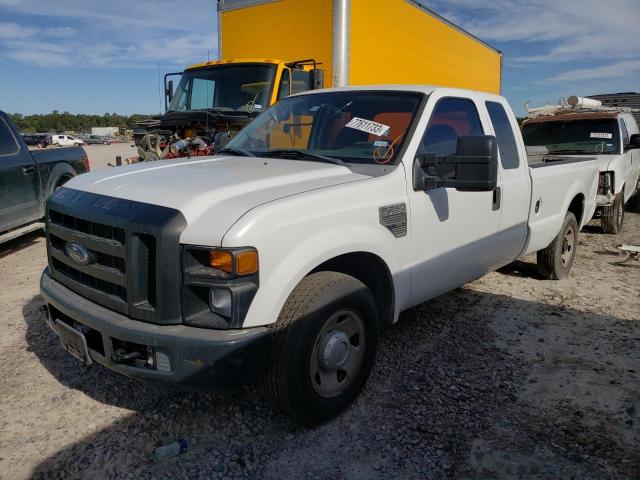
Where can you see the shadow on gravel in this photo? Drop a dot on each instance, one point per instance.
(19, 243)
(521, 269)
(441, 387)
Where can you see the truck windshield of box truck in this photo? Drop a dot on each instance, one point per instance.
(576, 137)
(226, 88)
(366, 127)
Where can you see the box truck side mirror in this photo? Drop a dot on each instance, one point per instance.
(317, 78)
(169, 91)
(474, 167)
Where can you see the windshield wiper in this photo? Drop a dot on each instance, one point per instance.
(237, 151)
(300, 154)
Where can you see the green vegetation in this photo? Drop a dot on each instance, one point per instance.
(56, 122)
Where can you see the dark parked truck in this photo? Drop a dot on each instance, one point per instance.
(29, 177)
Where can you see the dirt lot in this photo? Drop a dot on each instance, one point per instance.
(508, 377)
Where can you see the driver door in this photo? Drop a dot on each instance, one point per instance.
(453, 232)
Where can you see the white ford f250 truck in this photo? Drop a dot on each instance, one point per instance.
(280, 259)
(611, 137)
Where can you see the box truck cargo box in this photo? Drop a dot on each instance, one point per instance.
(360, 42)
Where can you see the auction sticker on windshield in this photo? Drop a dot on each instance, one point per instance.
(374, 128)
(607, 136)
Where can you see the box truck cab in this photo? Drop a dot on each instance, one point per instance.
(269, 50)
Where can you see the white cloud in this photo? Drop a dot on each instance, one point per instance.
(610, 70)
(13, 30)
(117, 33)
(566, 29)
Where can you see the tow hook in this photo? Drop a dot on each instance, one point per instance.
(122, 356)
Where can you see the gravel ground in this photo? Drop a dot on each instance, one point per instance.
(507, 377)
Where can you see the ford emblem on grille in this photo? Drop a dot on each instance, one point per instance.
(78, 253)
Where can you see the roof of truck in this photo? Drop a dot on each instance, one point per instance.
(234, 60)
(569, 116)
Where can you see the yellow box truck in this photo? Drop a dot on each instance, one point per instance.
(270, 49)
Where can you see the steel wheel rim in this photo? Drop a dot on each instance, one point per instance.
(338, 353)
(568, 246)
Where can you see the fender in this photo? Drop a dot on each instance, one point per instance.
(296, 234)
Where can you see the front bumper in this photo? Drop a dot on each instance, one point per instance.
(605, 200)
(184, 357)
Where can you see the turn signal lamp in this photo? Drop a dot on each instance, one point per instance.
(235, 262)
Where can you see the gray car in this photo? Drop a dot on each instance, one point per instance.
(96, 139)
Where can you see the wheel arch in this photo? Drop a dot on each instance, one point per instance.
(576, 206)
(371, 270)
(60, 174)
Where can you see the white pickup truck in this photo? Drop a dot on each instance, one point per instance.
(280, 258)
(613, 138)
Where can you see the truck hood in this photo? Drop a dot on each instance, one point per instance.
(218, 189)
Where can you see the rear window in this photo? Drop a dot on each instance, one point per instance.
(577, 137)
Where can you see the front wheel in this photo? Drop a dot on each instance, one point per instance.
(324, 346)
(555, 261)
(613, 216)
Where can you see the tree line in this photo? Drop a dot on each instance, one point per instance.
(57, 122)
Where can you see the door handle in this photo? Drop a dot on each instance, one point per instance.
(29, 169)
(497, 199)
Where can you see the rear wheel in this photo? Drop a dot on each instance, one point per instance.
(555, 261)
(325, 342)
(613, 216)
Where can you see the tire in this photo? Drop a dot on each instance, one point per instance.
(555, 261)
(613, 216)
(327, 312)
(76, 144)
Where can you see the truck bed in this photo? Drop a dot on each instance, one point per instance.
(555, 183)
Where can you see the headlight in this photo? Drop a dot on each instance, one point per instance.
(605, 183)
(219, 285)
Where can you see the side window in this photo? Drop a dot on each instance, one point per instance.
(283, 89)
(8, 145)
(300, 81)
(625, 133)
(504, 135)
(452, 118)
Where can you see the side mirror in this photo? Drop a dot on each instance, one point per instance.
(169, 91)
(474, 167)
(634, 141)
(316, 79)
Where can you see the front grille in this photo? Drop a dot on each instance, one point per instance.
(125, 239)
(104, 280)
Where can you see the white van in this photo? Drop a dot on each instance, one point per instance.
(66, 140)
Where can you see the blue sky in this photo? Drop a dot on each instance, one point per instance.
(97, 57)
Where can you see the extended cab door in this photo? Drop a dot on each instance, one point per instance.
(19, 199)
(454, 235)
(515, 188)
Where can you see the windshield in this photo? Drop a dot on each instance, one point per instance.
(226, 88)
(352, 126)
(578, 137)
